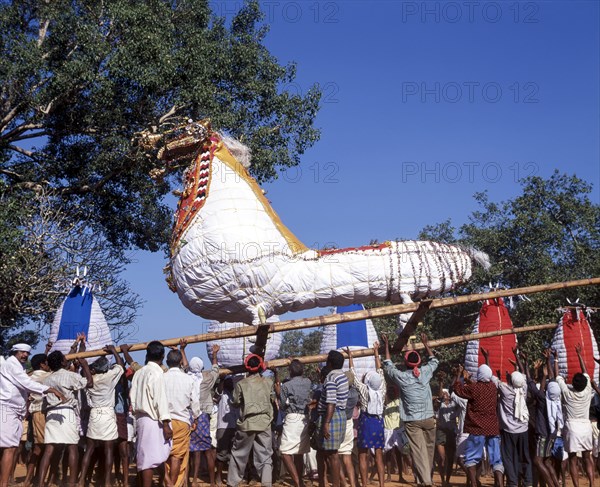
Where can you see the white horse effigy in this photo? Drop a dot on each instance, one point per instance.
(232, 259)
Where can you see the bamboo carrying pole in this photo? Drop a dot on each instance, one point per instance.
(332, 319)
(369, 352)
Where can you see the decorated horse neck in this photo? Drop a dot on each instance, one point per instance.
(209, 155)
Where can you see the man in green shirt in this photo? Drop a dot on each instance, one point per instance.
(253, 395)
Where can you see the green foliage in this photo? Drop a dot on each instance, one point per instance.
(549, 233)
(297, 343)
(79, 79)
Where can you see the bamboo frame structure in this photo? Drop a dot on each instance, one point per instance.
(369, 352)
(332, 319)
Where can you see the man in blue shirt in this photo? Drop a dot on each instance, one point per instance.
(417, 406)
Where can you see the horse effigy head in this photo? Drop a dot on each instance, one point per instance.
(175, 147)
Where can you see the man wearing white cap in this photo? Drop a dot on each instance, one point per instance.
(15, 386)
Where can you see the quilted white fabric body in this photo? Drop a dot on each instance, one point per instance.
(235, 256)
(472, 353)
(363, 331)
(234, 350)
(64, 329)
(568, 363)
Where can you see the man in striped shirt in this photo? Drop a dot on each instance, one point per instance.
(331, 423)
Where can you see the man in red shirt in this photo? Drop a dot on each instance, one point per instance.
(481, 422)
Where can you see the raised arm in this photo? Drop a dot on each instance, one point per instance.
(350, 360)
(115, 354)
(486, 356)
(579, 350)
(184, 361)
(386, 344)
(521, 358)
(442, 379)
(544, 377)
(215, 351)
(128, 358)
(425, 342)
(376, 352)
(555, 367)
(84, 365)
(547, 355)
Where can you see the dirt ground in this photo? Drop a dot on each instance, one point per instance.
(458, 479)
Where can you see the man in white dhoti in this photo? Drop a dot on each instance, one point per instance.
(294, 395)
(577, 432)
(102, 425)
(62, 420)
(151, 408)
(15, 386)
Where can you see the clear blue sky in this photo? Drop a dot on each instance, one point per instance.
(424, 104)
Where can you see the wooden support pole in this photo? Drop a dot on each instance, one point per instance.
(332, 319)
(368, 352)
(411, 325)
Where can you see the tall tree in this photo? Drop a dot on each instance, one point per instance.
(39, 252)
(79, 79)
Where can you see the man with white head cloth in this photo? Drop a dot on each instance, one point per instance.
(15, 386)
(481, 422)
(514, 422)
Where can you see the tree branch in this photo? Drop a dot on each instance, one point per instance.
(25, 152)
(10, 116)
(89, 188)
(42, 31)
(12, 174)
(20, 129)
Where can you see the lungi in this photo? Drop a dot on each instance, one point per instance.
(122, 426)
(370, 431)
(577, 435)
(543, 446)
(102, 424)
(180, 449)
(337, 431)
(294, 437)
(12, 427)
(152, 448)
(62, 426)
(38, 424)
(200, 438)
(348, 442)
(395, 438)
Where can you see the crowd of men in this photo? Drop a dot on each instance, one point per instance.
(79, 421)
